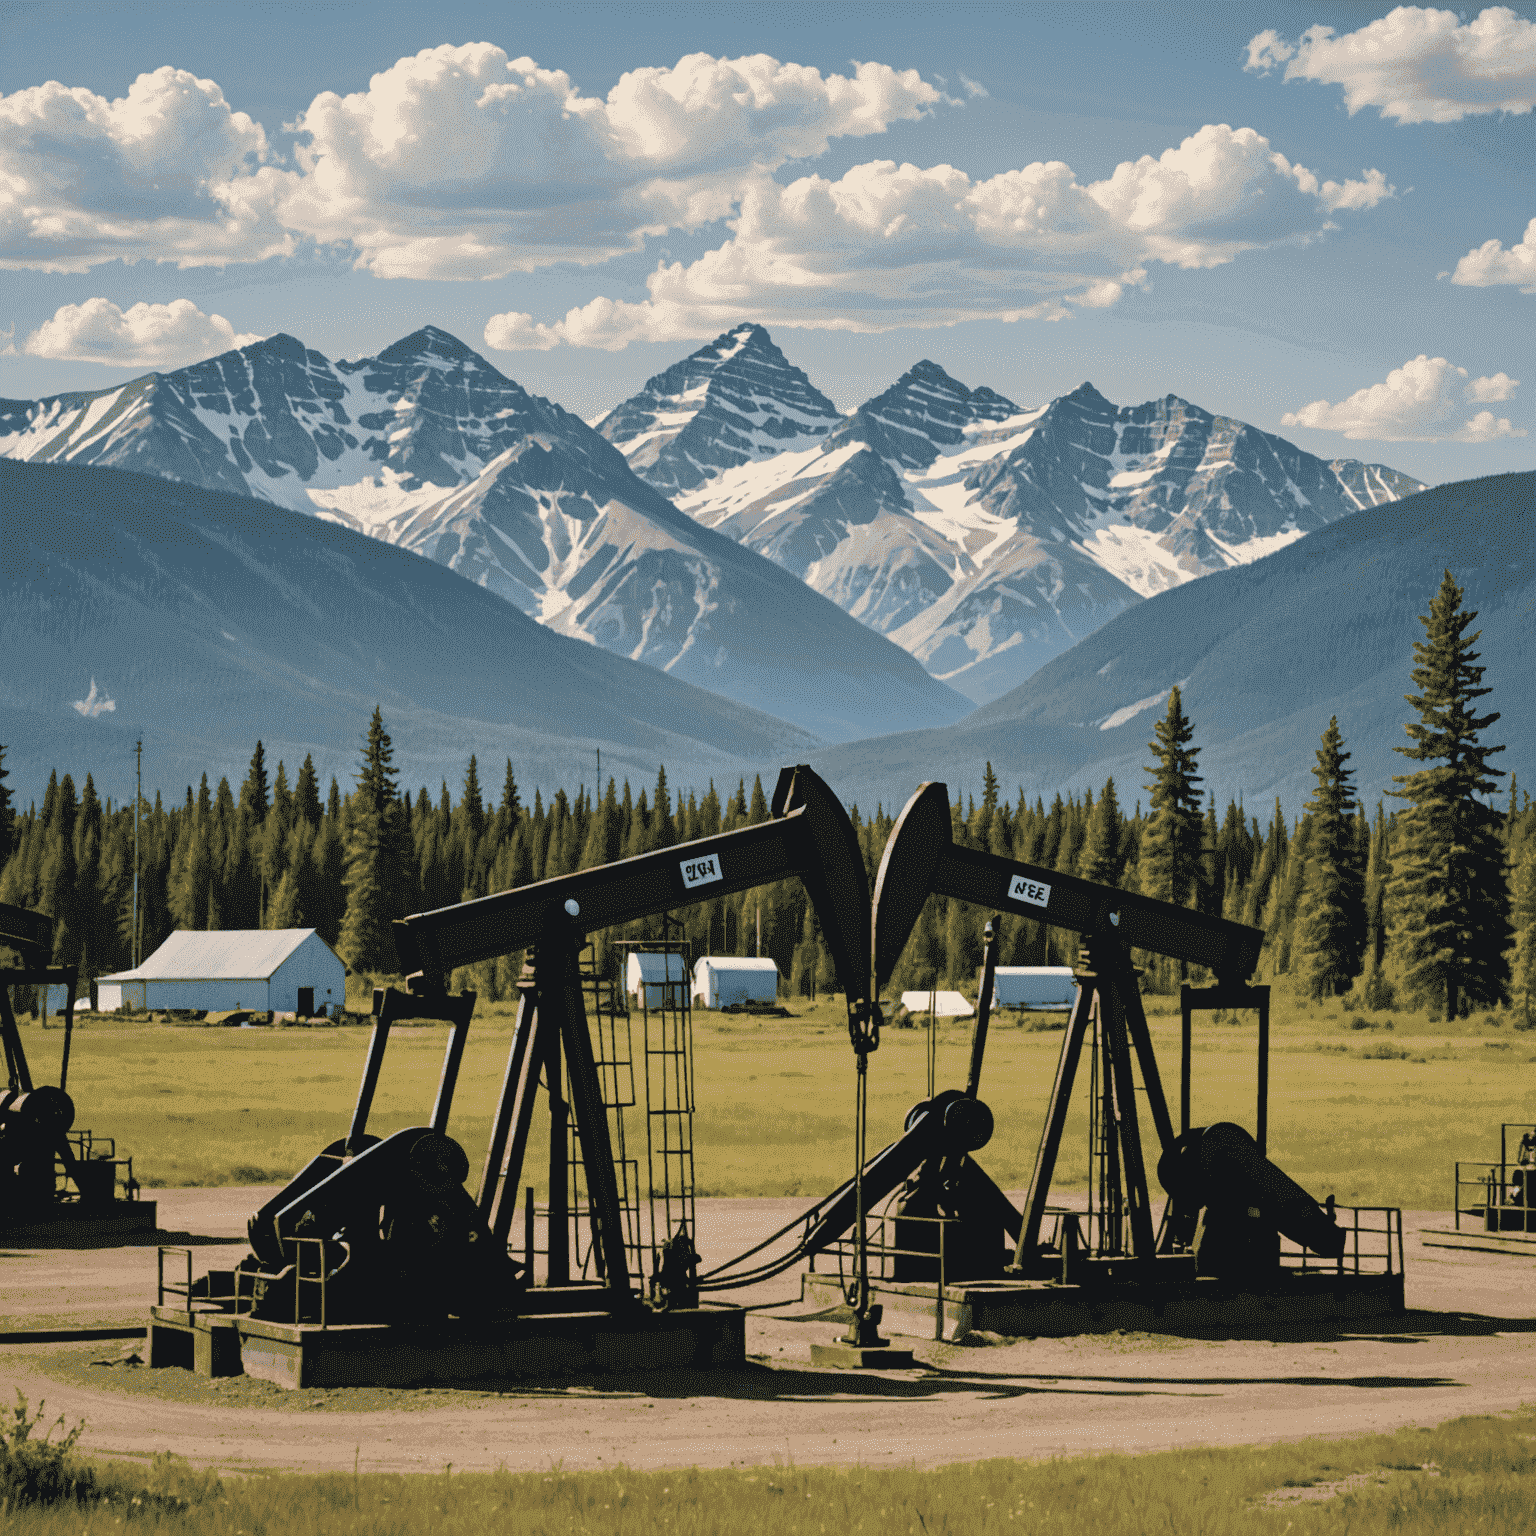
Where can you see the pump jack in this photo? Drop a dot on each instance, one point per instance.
(54, 1182)
(397, 1236)
(1228, 1204)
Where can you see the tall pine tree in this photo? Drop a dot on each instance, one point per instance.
(1172, 844)
(1522, 980)
(1330, 917)
(376, 851)
(1448, 899)
(7, 815)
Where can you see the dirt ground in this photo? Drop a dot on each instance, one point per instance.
(1466, 1345)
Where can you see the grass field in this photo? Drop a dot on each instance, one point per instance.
(1371, 1115)
(1471, 1474)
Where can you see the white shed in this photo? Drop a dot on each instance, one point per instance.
(1039, 987)
(652, 970)
(726, 981)
(281, 970)
(943, 1005)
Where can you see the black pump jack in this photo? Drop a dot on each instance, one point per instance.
(920, 859)
(467, 1268)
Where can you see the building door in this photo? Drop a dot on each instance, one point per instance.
(306, 1001)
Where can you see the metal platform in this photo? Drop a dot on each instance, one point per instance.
(406, 1354)
(1048, 1309)
(74, 1226)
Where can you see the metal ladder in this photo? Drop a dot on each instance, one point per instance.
(609, 1025)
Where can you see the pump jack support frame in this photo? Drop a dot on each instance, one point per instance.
(1107, 995)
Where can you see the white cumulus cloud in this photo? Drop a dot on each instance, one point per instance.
(463, 163)
(1416, 64)
(169, 172)
(1424, 401)
(143, 336)
(1490, 265)
(889, 245)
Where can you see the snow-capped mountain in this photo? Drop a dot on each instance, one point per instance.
(737, 401)
(1263, 654)
(986, 538)
(429, 447)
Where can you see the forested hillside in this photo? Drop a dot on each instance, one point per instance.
(278, 853)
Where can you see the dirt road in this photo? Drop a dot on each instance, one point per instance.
(1467, 1345)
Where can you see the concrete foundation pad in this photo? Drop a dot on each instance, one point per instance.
(857, 1357)
(1046, 1309)
(404, 1354)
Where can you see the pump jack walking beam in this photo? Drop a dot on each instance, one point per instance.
(921, 859)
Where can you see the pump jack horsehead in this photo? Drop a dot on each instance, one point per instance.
(1217, 1177)
(400, 1235)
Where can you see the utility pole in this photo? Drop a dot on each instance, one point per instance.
(138, 796)
(599, 794)
(759, 932)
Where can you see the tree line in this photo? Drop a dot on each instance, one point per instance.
(1432, 900)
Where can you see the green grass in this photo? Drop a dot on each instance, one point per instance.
(1371, 1116)
(1470, 1474)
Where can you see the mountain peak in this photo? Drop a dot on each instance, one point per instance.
(279, 345)
(429, 341)
(925, 411)
(735, 400)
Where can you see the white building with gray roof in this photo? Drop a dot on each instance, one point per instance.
(278, 970)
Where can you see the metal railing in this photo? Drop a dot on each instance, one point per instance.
(97, 1152)
(1499, 1197)
(1373, 1244)
(164, 1287)
(301, 1245)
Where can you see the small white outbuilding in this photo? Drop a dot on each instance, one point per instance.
(1043, 988)
(943, 1005)
(652, 972)
(278, 970)
(728, 981)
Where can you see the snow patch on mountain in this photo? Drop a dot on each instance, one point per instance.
(1152, 700)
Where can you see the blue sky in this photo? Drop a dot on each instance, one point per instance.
(1313, 218)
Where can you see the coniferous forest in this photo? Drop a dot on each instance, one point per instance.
(1428, 897)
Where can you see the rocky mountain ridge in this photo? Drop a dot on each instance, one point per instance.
(429, 447)
(982, 536)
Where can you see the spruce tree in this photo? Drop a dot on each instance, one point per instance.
(1099, 859)
(1448, 900)
(253, 793)
(376, 853)
(663, 828)
(306, 793)
(474, 806)
(510, 804)
(1171, 845)
(1330, 916)
(1522, 980)
(7, 815)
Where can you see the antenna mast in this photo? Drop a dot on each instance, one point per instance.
(138, 796)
